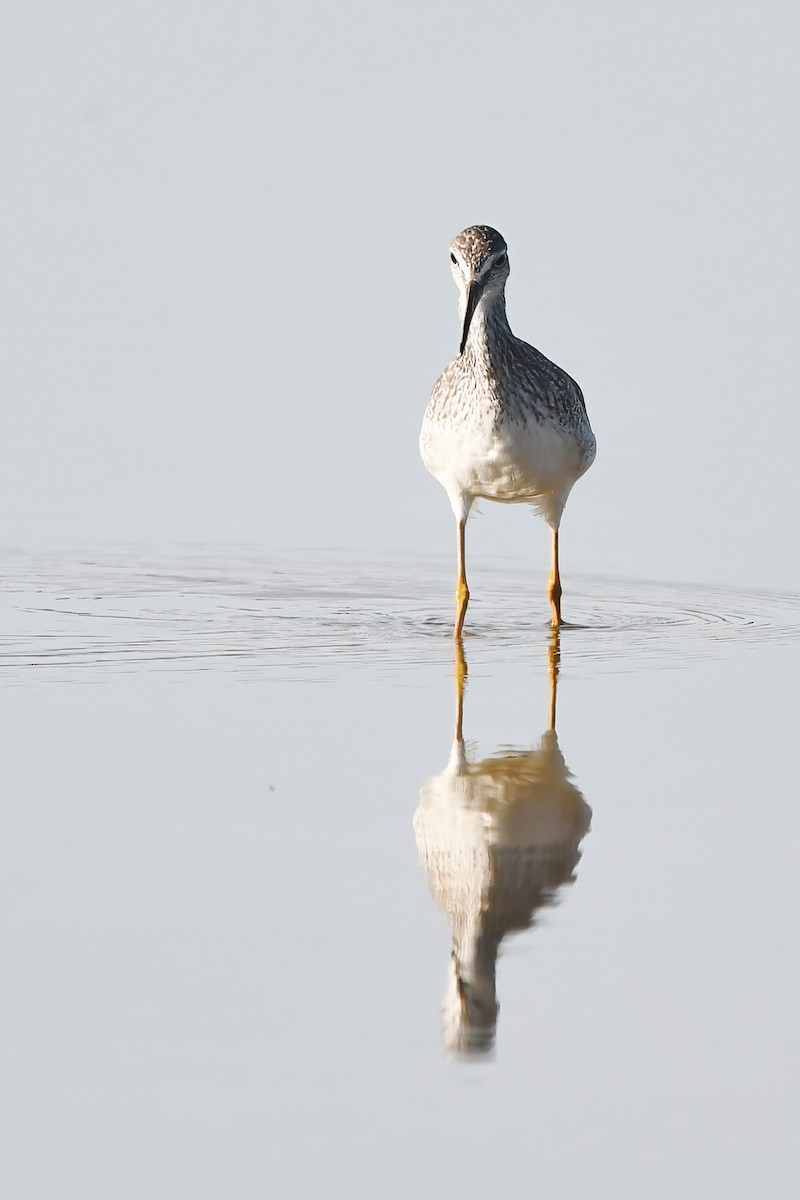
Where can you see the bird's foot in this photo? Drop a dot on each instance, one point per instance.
(555, 602)
(462, 600)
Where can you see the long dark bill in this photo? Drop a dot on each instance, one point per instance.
(473, 296)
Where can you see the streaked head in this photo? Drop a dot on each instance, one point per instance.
(479, 262)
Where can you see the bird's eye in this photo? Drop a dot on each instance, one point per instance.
(454, 260)
(501, 258)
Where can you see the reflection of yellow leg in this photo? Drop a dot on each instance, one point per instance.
(554, 664)
(461, 684)
(555, 585)
(462, 592)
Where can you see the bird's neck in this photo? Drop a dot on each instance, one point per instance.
(489, 328)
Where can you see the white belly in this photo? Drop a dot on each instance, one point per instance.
(519, 464)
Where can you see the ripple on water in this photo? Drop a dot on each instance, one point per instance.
(82, 616)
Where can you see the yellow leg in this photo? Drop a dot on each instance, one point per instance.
(554, 663)
(555, 585)
(462, 592)
(461, 683)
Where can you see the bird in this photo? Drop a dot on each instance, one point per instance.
(503, 422)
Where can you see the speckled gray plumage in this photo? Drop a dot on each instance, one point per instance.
(503, 374)
(512, 379)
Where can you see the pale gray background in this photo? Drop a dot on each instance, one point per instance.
(225, 283)
(225, 297)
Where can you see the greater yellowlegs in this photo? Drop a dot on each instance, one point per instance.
(503, 422)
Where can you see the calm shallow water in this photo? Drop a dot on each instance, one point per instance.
(259, 914)
(80, 616)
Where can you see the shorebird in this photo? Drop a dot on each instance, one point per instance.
(503, 422)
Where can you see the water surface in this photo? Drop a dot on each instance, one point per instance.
(270, 927)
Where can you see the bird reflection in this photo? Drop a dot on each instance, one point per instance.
(497, 838)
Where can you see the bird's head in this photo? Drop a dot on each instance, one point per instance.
(479, 262)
